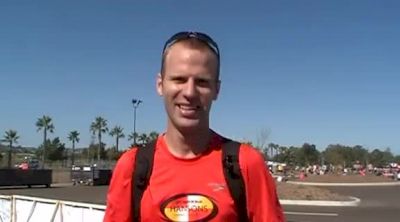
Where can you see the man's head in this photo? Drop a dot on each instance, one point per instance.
(189, 80)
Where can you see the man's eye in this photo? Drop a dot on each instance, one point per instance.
(202, 82)
(179, 80)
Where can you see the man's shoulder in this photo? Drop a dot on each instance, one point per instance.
(250, 156)
(127, 157)
(247, 151)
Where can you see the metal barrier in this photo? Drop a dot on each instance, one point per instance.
(18, 208)
(18, 177)
(5, 208)
(90, 175)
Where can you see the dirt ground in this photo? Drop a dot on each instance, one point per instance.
(302, 192)
(335, 178)
(289, 191)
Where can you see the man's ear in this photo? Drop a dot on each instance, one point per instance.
(159, 84)
(217, 89)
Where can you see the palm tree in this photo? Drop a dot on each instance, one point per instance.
(100, 126)
(10, 137)
(73, 136)
(46, 125)
(132, 136)
(143, 139)
(153, 135)
(272, 147)
(117, 131)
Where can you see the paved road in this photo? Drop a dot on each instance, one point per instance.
(380, 204)
(86, 194)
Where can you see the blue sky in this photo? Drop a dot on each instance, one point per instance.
(322, 72)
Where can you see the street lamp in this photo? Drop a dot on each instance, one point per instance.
(135, 103)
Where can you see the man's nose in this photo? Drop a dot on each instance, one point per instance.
(190, 89)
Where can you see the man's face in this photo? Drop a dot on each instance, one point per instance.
(189, 84)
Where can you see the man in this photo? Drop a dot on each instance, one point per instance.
(187, 181)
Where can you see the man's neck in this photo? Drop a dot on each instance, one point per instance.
(187, 144)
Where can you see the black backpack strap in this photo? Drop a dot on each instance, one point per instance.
(141, 176)
(234, 178)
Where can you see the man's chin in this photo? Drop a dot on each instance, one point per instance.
(190, 125)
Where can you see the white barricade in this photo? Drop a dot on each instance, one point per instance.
(5, 208)
(23, 208)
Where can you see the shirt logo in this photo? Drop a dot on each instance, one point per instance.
(217, 186)
(189, 207)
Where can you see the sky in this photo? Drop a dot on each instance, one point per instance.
(321, 72)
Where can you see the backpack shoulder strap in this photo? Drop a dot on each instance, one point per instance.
(141, 176)
(234, 177)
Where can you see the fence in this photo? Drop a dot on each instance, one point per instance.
(17, 208)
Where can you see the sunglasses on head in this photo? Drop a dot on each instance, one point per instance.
(195, 35)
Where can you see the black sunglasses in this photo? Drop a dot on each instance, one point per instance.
(196, 35)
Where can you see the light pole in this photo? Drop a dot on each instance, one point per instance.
(135, 103)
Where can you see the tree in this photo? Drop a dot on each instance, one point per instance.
(376, 158)
(387, 156)
(73, 136)
(92, 151)
(360, 154)
(153, 135)
(46, 125)
(131, 137)
(117, 131)
(143, 139)
(262, 139)
(308, 154)
(272, 147)
(56, 149)
(99, 126)
(10, 137)
(287, 155)
(337, 154)
(396, 159)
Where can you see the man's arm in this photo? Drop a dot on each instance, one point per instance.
(262, 200)
(119, 192)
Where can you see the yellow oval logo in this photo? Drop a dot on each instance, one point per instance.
(189, 207)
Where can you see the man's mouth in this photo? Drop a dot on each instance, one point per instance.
(188, 110)
(188, 107)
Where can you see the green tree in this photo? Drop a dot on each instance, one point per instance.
(272, 147)
(53, 149)
(143, 139)
(10, 137)
(308, 154)
(387, 156)
(92, 151)
(99, 126)
(112, 154)
(360, 154)
(288, 155)
(56, 150)
(45, 125)
(337, 154)
(131, 137)
(73, 136)
(396, 159)
(376, 158)
(117, 131)
(153, 135)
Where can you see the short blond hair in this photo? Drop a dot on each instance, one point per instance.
(191, 43)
